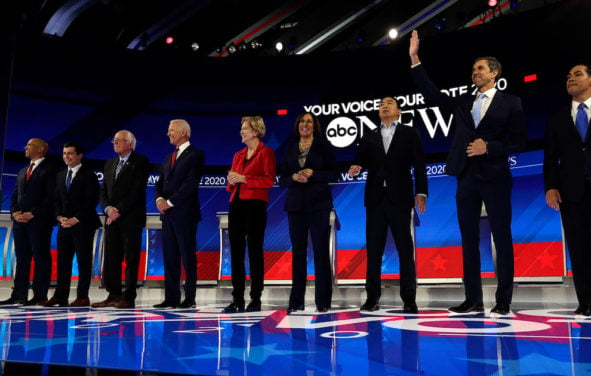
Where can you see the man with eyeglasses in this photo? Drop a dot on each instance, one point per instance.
(123, 199)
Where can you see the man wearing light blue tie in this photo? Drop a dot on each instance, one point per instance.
(488, 128)
(567, 178)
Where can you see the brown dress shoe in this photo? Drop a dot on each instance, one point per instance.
(55, 302)
(80, 302)
(104, 303)
(124, 304)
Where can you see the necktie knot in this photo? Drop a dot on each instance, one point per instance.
(173, 157)
(69, 179)
(29, 170)
(119, 167)
(477, 108)
(581, 121)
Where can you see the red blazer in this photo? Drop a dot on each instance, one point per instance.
(260, 171)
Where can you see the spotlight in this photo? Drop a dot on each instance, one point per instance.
(493, 3)
(254, 44)
(195, 46)
(242, 46)
(231, 49)
(392, 34)
(279, 46)
(169, 40)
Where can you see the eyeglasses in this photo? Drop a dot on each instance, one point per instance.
(115, 140)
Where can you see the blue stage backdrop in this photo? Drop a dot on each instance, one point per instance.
(88, 96)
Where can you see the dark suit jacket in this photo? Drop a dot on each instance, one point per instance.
(503, 127)
(82, 198)
(128, 192)
(36, 195)
(180, 184)
(405, 152)
(315, 194)
(564, 157)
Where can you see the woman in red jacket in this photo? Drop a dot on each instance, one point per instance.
(252, 174)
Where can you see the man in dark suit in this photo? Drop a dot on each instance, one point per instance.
(567, 178)
(31, 209)
(389, 153)
(123, 199)
(76, 198)
(488, 128)
(177, 199)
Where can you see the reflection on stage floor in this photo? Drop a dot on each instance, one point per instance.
(535, 339)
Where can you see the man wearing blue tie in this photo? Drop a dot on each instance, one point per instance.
(567, 178)
(76, 198)
(488, 128)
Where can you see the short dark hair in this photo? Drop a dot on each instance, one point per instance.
(394, 98)
(77, 147)
(493, 64)
(317, 132)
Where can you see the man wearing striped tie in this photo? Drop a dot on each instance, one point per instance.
(123, 200)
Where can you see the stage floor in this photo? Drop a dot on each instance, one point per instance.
(537, 339)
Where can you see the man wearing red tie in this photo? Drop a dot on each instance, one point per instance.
(177, 200)
(31, 209)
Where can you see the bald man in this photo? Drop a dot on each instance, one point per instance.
(33, 215)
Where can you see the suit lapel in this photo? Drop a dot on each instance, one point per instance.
(181, 156)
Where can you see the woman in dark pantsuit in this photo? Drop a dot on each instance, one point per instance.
(309, 165)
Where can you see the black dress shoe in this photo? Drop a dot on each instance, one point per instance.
(370, 306)
(234, 307)
(410, 308)
(187, 304)
(165, 304)
(254, 306)
(583, 309)
(295, 308)
(501, 309)
(322, 309)
(466, 307)
(37, 301)
(13, 301)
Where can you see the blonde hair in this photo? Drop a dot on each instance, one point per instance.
(256, 123)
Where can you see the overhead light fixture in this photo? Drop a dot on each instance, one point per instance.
(392, 33)
(254, 44)
(493, 3)
(279, 46)
(231, 49)
(195, 46)
(169, 40)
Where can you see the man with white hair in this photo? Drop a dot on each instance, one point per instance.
(123, 199)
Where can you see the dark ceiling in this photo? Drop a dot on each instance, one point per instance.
(304, 26)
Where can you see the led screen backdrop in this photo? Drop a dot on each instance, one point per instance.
(60, 95)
